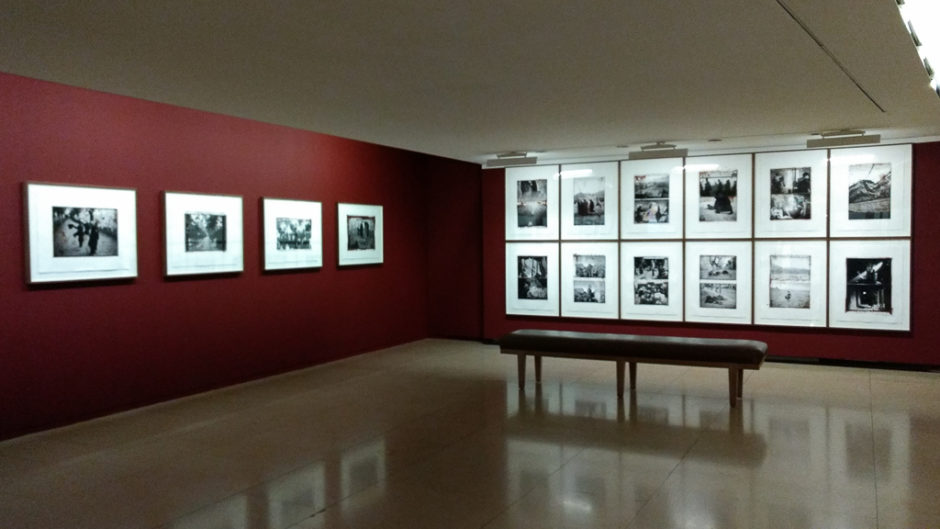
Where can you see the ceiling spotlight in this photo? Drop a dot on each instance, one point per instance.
(660, 149)
(842, 137)
(511, 158)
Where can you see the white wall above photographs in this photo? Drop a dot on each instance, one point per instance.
(467, 80)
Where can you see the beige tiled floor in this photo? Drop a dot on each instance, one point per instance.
(435, 434)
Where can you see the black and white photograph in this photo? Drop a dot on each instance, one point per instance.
(645, 267)
(589, 273)
(718, 295)
(205, 232)
(79, 233)
(722, 267)
(718, 191)
(293, 234)
(532, 203)
(718, 278)
(651, 292)
(652, 281)
(360, 232)
(589, 201)
(869, 191)
(533, 276)
(651, 198)
(790, 193)
(84, 232)
(868, 285)
(790, 281)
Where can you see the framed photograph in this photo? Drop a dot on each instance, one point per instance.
(651, 195)
(589, 286)
(79, 233)
(790, 194)
(718, 281)
(532, 203)
(589, 201)
(718, 197)
(292, 234)
(870, 284)
(360, 234)
(203, 234)
(790, 283)
(651, 284)
(532, 278)
(871, 192)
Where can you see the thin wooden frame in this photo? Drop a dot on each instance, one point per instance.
(292, 234)
(589, 201)
(532, 203)
(651, 194)
(203, 234)
(361, 237)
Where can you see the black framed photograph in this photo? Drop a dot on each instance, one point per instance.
(361, 234)
(790, 283)
(589, 201)
(79, 233)
(589, 279)
(532, 203)
(790, 194)
(718, 197)
(718, 281)
(869, 284)
(532, 277)
(651, 194)
(292, 234)
(652, 281)
(203, 234)
(871, 191)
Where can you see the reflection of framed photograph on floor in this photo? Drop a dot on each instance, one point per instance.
(532, 203)
(718, 197)
(203, 233)
(292, 234)
(589, 201)
(361, 234)
(532, 278)
(589, 280)
(651, 275)
(871, 191)
(80, 233)
(790, 194)
(718, 281)
(790, 283)
(869, 284)
(651, 198)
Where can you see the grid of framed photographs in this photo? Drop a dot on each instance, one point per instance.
(810, 238)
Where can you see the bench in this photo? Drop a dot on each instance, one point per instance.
(734, 355)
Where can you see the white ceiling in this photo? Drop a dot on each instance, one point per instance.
(468, 79)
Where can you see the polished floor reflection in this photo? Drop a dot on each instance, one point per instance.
(436, 434)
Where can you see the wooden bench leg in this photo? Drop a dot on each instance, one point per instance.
(538, 369)
(733, 379)
(632, 376)
(740, 383)
(520, 371)
(620, 366)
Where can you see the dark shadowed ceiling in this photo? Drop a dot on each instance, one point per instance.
(470, 79)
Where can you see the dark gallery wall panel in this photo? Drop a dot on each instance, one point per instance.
(71, 352)
(916, 347)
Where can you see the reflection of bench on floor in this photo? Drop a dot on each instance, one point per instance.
(735, 355)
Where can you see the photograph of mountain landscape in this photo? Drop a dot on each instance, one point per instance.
(870, 191)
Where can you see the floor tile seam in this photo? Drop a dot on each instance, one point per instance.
(662, 484)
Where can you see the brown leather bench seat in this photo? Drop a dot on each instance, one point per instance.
(735, 355)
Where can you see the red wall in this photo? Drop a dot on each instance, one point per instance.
(917, 347)
(69, 352)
